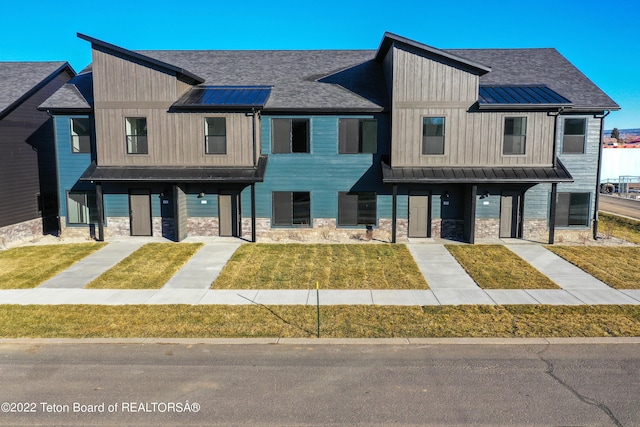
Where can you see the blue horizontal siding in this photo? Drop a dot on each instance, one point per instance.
(70, 165)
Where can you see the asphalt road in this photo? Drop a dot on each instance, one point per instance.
(324, 385)
(620, 206)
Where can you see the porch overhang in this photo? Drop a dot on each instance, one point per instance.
(202, 175)
(475, 175)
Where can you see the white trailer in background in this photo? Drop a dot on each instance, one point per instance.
(620, 172)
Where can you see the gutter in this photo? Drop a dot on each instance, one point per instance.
(597, 201)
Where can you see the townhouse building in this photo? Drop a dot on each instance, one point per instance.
(406, 141)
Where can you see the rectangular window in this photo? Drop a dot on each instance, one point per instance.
(574, 136)
(515, 135)
(136, 128)
(572, 209)
(290, 136)
(291, 208)
(80, 135)
(215, 139)
(81, 207)
(356, 208)
(433, 135)
(357, 136)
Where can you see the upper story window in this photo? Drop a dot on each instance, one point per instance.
(357, 136)
(136, 128)
(290, 136)
(215, 139)
(574, 136)
(80, 135)
(515, 135)
(433, 135)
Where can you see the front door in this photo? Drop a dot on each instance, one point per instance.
(510, 215)
(140, 211)
(227, 215)
(418, 216)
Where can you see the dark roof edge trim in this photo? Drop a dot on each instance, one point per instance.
(194, 79)
(518, 107)
(63, 110)
(307, 111)
(389, 39)
(36, 88)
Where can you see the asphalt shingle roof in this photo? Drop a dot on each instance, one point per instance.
(77, 94)
(18, 78)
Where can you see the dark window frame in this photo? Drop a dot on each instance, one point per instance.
(513, 138)
(357, 136)
(291, 209)
(433, 135)
(84, 218)
(215, 143)
(572, 140)
(354, 208)
(80, 144)
(287, 136)
(573, 209)
(137, 143)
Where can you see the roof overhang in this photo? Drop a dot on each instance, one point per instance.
(475, 175)
(520, 97)
(224, 98)
(168, 174)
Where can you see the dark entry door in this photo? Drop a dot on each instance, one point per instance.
(510, 215)
(228, 215)
(418, 216)
(140, 211)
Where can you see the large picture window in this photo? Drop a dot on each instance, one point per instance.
(291, 208)
(574, 136)
(433, 135)
(80, 135)
(290, 136)
(81, 207)
(356, 208)
(215, 140)
(136, 128)
(572, 209)
(357, 136)
(515, 135)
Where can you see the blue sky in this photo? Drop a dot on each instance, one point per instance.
(600, 38)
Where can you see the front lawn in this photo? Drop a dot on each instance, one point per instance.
(332, 266)
(150, 267)
(29, 266)
(496, 267)
(185, 321)
(620, 227)
(617, 266)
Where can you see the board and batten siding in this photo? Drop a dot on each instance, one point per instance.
(123, 88)
(424, 87)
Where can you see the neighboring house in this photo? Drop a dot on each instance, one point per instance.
(407, 141)
(28, 202)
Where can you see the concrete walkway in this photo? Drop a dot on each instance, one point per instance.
(448, 283)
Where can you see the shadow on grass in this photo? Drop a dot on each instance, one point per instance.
(270, 310)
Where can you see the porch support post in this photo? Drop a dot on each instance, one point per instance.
(253, 212)
(100, 209)
(472, 213)
(552, 212)
(394, 212)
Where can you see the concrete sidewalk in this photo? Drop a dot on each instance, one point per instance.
(448, 283)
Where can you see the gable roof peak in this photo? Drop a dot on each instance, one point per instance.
(390, 39)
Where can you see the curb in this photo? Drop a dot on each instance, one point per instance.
(326, 341)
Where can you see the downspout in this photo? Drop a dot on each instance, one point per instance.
(597, 201)
(255, 137)
(555, 136)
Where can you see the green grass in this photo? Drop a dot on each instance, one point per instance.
(617, 266)
(184, 321)
(150, 267)
(496, 267)
(29, 266)
(620, 227)
(333, 266)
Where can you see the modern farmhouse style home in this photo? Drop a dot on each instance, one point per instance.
(406, 141)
